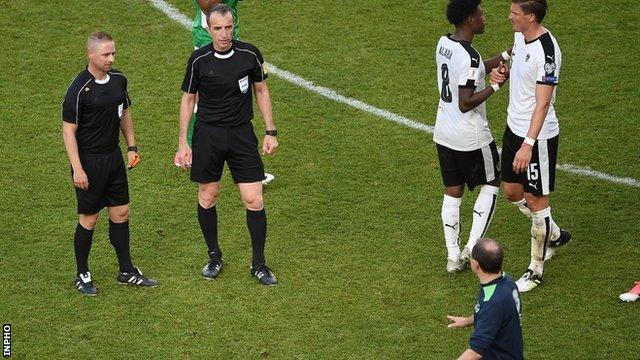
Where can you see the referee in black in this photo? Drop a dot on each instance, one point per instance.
(224, 74)
(95, 108)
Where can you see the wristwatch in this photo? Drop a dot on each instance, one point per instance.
(273, 132)
(133, 148)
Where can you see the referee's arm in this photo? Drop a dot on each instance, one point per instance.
(126, 127)
(263, 99)
(80, 179)
(186, 111)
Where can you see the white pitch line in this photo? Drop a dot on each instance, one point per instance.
(177, 16)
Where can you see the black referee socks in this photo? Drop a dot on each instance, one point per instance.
(119, 237)
(208, 219)
(257, 224)
(82, 246)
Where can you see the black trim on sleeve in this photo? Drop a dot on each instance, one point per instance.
(474, 61)
(549, 51)
(474, 56)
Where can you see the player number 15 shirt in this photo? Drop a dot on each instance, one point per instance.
(533, 62)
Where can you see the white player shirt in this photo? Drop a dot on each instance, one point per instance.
(459, 65)
(532, 63)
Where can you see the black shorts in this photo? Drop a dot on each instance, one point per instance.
(473, 168)
(107, 182)
(540, 178)
(238, 146)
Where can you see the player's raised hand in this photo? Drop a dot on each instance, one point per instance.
(80, 180)
(269, 145)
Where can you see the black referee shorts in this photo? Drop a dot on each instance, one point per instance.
(108, 184)
(238, 146)
(540, 178)
(476, 167)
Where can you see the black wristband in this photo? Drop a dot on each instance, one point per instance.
(273, 132)
(132, 148)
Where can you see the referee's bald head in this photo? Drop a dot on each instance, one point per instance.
(96, 38)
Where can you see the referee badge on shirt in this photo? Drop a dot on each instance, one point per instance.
(244, 84)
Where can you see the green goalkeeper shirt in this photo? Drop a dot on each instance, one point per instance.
(200, 30)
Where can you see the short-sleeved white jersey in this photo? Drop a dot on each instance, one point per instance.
(459, 65)
(533, 62)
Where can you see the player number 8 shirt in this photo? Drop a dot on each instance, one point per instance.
(459, 65)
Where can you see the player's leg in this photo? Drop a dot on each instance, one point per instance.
(483, 165)
(542, 171)
(483, 211)
(453, 180)
(513, 183)
(450, 214)
(540, 230)
(539, 181)
(548, 153)
(513, 189)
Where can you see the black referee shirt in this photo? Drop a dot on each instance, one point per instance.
(223, 82)
(96, 107)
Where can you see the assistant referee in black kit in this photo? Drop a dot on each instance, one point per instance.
(223, 74)
(95, 109)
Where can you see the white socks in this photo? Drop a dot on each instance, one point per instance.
(451, 224)
(483, 211)
(542, 227)
(522, 206)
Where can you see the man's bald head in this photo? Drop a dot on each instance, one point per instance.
(488, 254)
